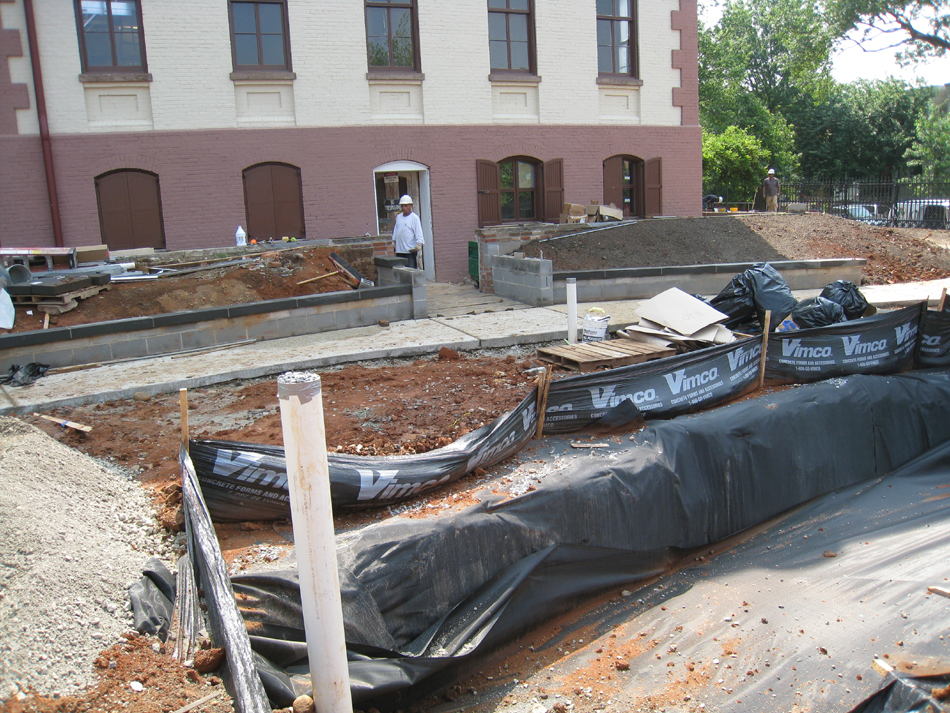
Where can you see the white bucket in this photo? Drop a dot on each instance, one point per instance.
(595, 326)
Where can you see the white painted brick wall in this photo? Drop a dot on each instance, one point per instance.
(189, 55)
(20, 73)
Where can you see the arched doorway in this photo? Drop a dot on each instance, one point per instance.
(273, 201)
(130, 210)
(393, 180)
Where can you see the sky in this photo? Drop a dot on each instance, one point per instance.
(851, 63)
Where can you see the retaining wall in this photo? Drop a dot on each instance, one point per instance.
(214, 326)
(523, 279)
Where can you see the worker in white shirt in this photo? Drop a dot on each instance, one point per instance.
(407, 233)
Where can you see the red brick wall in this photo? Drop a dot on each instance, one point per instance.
(202, 193)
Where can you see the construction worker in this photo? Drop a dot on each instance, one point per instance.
(407, 233)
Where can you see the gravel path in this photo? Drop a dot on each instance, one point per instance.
(75, 535)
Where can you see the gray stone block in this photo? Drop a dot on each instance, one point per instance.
(132, 348)
(164, 343)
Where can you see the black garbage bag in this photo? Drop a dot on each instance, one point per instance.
(24, 375)
(751, 294)
(847, 295)
(817, 312)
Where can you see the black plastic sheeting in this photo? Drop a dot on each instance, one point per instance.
(751, 294)
(243, 481)
(883, 344)
(903, 694)
(847, 295)
(422, 595)
(153, 599)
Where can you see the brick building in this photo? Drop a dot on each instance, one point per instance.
(166, 123)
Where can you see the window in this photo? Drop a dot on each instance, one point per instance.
(110, 35)
(390, 34)
(511, 36)
(616, 37)
(518, 190)
(260, 38)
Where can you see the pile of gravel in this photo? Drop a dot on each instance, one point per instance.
(74, 535)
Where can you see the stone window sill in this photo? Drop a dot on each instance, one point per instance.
(395, 76)
(618, 81)
(513, 78)
(263, 75)
(91, 77)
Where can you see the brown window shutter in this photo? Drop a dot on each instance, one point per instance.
(613, 181)
(654, 187)
(553, 189)
(130, 210)
(488, 184)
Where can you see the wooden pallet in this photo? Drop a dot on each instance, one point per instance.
(58, 304)
(589, 356)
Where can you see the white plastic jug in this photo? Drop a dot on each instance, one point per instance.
(240, 237)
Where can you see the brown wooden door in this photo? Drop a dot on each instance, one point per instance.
(488, 185)
(613, 181)
(273, 199)
(553, 190)
(130, 210)
(654, 187)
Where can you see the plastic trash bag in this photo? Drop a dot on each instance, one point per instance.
(847, 295)
(817, 312)
(24, 375)
(751, 294)
(7, 310)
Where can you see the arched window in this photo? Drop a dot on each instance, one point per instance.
(273, 200)
(518, 184)
(130, 210)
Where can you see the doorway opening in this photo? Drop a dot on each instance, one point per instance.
(392, 181)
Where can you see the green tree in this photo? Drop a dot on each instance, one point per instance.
(922, 27)
(860, 130)
(733, 163)
(929, 151)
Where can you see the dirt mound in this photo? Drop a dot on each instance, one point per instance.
(893, 254)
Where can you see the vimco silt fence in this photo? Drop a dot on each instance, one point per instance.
(243, 481)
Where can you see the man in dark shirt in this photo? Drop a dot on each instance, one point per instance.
(771, 190)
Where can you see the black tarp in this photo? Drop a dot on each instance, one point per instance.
(934, 348)
(882, 344)
(421, 595)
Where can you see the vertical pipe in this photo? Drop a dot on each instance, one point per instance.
(44, 124)
(308, 477)
(572, 310)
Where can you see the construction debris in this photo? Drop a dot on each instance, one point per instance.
(676, 319)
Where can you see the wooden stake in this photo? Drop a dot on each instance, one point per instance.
(66, 424)
(765, 347)
(943, 300)
(46, 320)
(320, 277)
(183, 407)
(544, 382)
(200, 701)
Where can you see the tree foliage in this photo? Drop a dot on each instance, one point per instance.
(734, 163)
(922, 27)
(929, 150)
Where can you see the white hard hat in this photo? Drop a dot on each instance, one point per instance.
(405, 199)
(771, 171)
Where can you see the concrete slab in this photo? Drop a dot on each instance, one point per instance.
(167, 374)
(901, 295)
(622, 313)
(502, 329)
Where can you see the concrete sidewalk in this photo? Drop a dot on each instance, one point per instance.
(168, 374)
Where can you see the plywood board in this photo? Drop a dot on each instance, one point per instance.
(680, 312)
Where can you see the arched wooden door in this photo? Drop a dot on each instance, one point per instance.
(130, 210)
(273, 200)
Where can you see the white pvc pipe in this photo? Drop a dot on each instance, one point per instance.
(572, 310)
(308, 478)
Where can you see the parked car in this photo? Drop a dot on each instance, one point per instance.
(857, 212)
(921, 213)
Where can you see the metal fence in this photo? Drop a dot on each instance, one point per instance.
(904, 203)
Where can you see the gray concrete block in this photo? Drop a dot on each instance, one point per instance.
(320, 322)
(198, 339)
(132, 348)
(164, 343)
(227, 333)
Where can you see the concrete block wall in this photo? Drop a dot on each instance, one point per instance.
(506, 239)
(529, 280)
(393, 271)
(198, 329)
